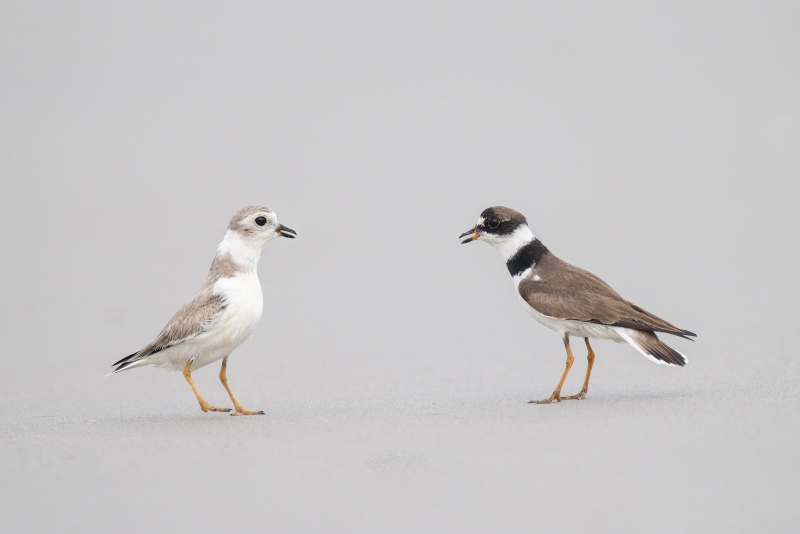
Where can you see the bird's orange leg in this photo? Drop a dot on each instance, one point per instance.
(223, 377)
(557, 393)
(590, 359)
(206, 407)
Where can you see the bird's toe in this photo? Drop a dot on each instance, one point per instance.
(247, 412)
(554, 397)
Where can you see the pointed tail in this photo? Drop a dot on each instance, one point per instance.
(648, 344)
(128, 362)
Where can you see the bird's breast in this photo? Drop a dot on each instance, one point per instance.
(244, 304)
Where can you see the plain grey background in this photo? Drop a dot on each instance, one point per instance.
(653, 143)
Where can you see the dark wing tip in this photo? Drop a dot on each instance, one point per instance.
(124, 360)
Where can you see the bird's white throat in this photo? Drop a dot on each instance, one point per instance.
(245, 252)
(508, 245)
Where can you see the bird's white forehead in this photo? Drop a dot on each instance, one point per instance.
(481, 220)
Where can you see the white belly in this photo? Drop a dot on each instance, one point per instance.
(245, 303)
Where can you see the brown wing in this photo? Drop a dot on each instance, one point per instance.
(564, 291)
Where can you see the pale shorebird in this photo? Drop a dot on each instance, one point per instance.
(223, 313)
(570, 300)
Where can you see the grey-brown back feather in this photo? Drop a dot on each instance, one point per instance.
(192, 319)
(565, 291)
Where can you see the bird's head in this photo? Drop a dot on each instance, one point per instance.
(256, 225)
(503, 228)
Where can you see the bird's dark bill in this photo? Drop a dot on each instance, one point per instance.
(285, 231)
(475, 235)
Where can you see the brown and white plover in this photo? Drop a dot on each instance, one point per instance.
(570, 300)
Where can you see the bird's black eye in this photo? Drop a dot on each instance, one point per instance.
(261, 221)
(494, 223)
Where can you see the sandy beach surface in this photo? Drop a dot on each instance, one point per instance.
(656, 147)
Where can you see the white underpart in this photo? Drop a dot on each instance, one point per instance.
(244, 305)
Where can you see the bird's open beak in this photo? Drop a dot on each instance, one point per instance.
(285, 231)
(475, 235)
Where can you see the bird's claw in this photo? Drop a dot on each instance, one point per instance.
(556, 396)
(209, 408)
(247, 412)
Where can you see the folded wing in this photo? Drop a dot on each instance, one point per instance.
(564, 291)
(197, 315)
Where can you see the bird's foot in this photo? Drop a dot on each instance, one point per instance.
(241, 411)
(579, 396)
(206, 407)
(556, 396)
